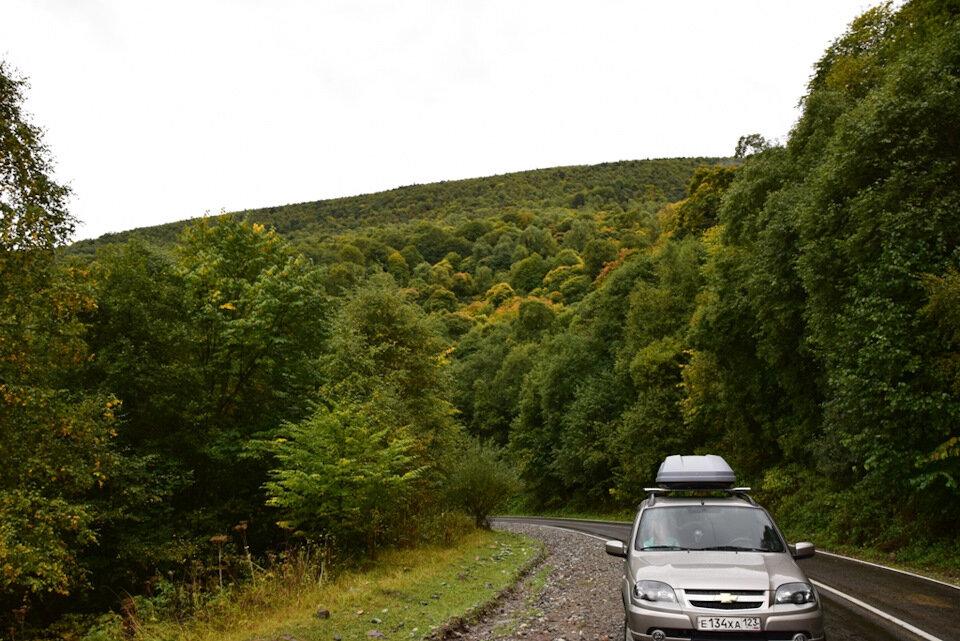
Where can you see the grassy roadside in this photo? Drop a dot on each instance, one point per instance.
(406, 594)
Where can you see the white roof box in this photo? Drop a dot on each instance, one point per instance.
(708, 472)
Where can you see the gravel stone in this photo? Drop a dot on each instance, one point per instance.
(580, 599)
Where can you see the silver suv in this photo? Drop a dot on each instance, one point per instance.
(705, 562)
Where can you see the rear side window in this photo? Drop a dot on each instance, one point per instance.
(707, 527)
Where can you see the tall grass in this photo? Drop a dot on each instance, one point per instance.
(406, 593)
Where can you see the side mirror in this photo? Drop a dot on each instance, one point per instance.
(803, 550)
(616, 548)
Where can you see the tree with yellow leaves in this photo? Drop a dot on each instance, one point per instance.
(54, 442)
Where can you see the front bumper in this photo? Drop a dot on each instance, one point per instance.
(680, 624)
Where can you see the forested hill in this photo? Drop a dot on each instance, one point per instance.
(660, 180)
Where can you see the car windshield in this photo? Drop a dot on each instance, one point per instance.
(707, 527)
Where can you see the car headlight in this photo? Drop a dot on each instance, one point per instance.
(654, 592)
(798, 593)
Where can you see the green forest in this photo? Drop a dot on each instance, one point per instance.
(338, 375)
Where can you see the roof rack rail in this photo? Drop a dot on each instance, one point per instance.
(740, 492)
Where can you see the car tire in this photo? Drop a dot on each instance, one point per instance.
(626, 629)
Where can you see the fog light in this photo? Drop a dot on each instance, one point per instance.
(658, 635)
(799, 636)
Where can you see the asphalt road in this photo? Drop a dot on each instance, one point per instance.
(861, 602)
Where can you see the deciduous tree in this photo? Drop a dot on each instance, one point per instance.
(55, 438)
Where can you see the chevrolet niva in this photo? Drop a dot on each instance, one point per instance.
(705, 562)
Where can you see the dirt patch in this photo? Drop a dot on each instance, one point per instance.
(572, 594)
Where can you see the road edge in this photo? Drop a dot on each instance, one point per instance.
(455, 624)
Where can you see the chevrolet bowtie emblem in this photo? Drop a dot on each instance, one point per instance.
(726, 597)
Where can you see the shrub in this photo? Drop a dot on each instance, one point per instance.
(480, 481)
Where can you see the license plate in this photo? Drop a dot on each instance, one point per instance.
(729, 623)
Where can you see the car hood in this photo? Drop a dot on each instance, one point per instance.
(696, 570)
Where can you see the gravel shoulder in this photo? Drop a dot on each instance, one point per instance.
(574, 593)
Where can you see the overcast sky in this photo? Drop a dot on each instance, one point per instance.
(163, 110)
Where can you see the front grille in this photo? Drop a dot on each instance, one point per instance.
(718, 605)
(715, 599)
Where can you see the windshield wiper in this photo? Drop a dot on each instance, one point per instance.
(662, 547)
(731, 548)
